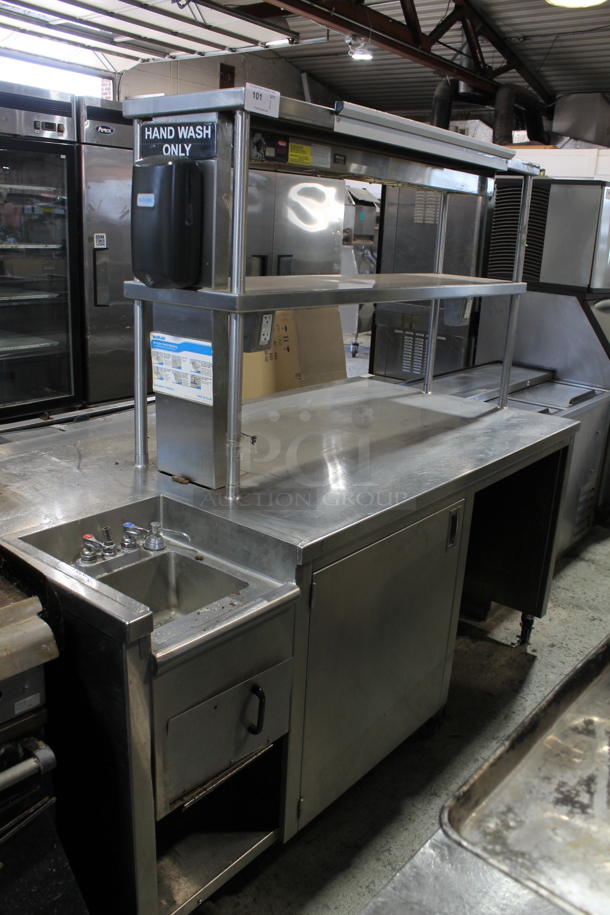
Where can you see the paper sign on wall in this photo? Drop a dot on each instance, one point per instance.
(262, 101)
(182, 367)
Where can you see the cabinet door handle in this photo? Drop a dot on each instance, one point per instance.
(454, 526)
(262, 700)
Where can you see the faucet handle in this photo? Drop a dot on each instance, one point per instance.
(91, 549)
(129, 526)
(91, 541)
(129, 540)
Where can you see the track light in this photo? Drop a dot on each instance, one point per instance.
(359, 49)
(576, 4)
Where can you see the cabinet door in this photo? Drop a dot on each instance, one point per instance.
(382, 629)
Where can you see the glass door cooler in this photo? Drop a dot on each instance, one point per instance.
(39, 272)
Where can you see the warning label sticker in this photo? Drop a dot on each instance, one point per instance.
(299, 154)
(182, 367)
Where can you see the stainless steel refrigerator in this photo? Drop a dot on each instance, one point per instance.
(105, 159)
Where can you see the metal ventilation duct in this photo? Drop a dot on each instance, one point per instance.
(583, 116)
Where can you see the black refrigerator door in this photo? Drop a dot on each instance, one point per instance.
(39, 272)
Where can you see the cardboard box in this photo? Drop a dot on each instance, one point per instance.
(307, 349)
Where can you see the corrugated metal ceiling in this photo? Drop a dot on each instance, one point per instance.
(566, 49)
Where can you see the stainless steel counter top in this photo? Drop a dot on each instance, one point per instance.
(444, 878)
(270, 293)
(327, 459)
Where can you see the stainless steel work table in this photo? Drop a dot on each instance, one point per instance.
(372, 509)
(407, 450)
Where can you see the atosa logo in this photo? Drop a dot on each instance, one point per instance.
(102, 128)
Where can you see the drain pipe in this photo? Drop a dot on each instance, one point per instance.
(441, 105)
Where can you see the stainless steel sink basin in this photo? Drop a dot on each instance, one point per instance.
(173, 585)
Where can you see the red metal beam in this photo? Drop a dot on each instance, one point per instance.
(383, 32)
(407, 40)
(412, 19)
(496, 40)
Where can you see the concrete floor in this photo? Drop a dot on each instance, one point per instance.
(343, 858)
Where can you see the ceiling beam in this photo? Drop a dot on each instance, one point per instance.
(236, 13)
(406, 39)
(504, 48)
(412, 19)
(388, 34)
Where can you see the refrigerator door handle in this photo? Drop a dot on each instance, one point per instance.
(101, 282)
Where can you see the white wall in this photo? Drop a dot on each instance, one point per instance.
(180, 77)
(571, 163)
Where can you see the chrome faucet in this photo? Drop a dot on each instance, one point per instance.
(155, 540)
(93, 549)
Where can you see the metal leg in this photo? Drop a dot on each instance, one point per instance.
(527, 624)
(439, 257)
(431, 347)
(509, 348)
(236, 349)
(140, 349)
(241, 149)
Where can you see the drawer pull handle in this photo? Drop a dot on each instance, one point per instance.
(262, 699)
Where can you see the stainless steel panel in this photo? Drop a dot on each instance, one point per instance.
(559, 394)
(261, 222)
(101, 123)
(553, 332)
(401, 352)
(276, 292)
(214, 735)
(481, 382)
(415, 235)
(600, 277)
(308, 224)
(584, 476)
(377, 655)
(242, 655)
(191, 437)
(22, 106)
(108, 315)
(571, 232)
(585, 473)
(355, 120)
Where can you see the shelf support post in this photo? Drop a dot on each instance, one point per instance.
(241, 156)
(439, 257)
(513, 308)
(140, 405)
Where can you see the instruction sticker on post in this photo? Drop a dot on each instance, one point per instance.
(182, 367)
(262, 101)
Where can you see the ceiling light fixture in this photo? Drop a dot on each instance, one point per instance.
(359, 49)
(576, 4)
